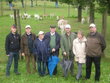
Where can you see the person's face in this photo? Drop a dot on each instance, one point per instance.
(28, 30)
(79, 35)
(93, 29)
(67, 30)
(52, 30)
(41, 36)
(13, 30)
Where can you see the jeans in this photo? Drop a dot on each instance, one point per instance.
(79, 74)
(15, 56)
(41, 67)
(96, 61)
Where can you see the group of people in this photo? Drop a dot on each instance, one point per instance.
(39, 48)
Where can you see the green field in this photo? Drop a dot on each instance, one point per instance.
(6, 22)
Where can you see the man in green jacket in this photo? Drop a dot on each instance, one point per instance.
(66, 45)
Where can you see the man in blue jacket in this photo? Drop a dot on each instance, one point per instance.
(54, 43)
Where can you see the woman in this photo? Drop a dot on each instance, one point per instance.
(79, 51)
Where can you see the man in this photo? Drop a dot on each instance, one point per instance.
(54, 43)
(12, 47)
(95, 45)
(66, 45)
(41, 51)
(27, 41)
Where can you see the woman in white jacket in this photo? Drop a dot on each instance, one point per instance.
(79, 51)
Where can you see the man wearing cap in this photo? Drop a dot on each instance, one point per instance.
(66, 45)
(95, 46)
(40, 49)
(54, 43)
(12, 47)
(27, 41)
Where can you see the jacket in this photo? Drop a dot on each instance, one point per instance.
(48, 37)
(12, 43)
(95, 45)
(24, 44)
(79, 50)
(41, 50)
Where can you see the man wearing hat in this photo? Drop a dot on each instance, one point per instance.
(54, 43)
(66, 45)
(40, 49)
(95, 46)
(27, 41)
(12, 47)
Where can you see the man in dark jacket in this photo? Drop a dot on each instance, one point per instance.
(54, 43)
(41, 50)
(27, 41)
(12, 47)
(94, 49)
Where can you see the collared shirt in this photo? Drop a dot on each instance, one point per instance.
(52, 33)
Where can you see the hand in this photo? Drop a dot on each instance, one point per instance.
(23, 54)
(64, 53)
(53, 50)
(8, 55)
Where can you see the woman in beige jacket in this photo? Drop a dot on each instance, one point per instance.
(79, 51)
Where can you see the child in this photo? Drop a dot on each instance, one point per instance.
(79, 51)
(40, 48)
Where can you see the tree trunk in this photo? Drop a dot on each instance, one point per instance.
(56, 3)
(79, 13)
(68, 10)
(36, 2)
(104, 22)
(92, 9)
(22, 2)
(31, 3)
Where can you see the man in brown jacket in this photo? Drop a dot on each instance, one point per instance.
(27, 41)
(94, 49)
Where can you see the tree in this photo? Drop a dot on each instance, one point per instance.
(104, 7)
(31, 3)
(56, 3)
(69, 2)
(22, 2)
(79, 4)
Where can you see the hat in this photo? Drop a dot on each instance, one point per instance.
(52, 26)
(27, 26)
(67, 26)
(13, 26)
(92, 25)
(40, 32)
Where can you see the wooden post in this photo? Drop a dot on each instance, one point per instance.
(15, 17)
(44, 7)
(1, 7)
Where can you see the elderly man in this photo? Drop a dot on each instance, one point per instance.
(27, 41)
(54, 43)
(66, 45)
(95, 45)
(12, 47)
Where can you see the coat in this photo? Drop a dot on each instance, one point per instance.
(95, 45)
(41, 50)
(64, 43)
(24, 43)
(79, 50)
(12, 43)
(48, 36)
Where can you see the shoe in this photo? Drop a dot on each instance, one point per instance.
(17, 73)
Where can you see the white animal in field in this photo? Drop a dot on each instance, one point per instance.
(37, 17)
(12, 16)
(57, 17)
(61, 25)
(83, 20)
(52, 15)
(26, 16)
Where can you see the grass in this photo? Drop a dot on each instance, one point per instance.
(6, 22)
